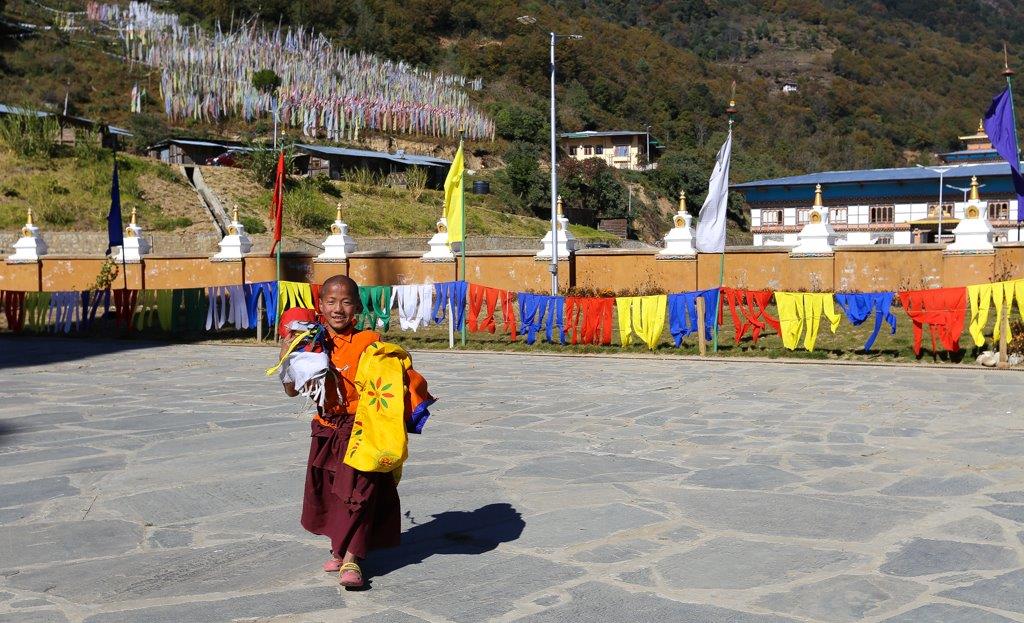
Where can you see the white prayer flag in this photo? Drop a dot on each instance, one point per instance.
(711, 228)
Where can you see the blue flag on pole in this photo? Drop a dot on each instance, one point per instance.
(999, 125)
(115, 230)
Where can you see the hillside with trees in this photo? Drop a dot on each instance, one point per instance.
(884, 83)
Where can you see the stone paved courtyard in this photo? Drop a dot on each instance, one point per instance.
(162, 484)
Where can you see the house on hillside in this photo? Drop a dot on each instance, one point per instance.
(191, 151)
(70, 127)
(622, 149)
(337, 161)
(888, 206)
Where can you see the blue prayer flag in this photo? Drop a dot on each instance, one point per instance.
(999, 125)
(115, 230)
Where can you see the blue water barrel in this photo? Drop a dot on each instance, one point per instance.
(481, 187)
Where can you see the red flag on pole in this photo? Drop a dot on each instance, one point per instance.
(277, 203)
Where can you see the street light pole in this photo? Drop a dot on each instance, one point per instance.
(942, 172)
(964, 190)
(529, 20)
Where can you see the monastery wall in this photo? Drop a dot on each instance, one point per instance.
(863, 269)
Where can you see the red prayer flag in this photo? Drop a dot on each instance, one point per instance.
(277, 203)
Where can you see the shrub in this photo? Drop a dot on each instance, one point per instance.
(252, 224)
(416, 181)
(170, 223)
(147, 129)
(314, 219)
(29, 136)
(59, 214)
(362, 177)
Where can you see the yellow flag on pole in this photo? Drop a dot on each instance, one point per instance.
(454, 211)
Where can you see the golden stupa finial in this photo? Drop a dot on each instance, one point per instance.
(682, 201)
(130, 229)
(1006, 63)
(559, 205)
(337, 214)
(234, 214)
(975, 195)
(732, 100)
(981, 126)
(817, 197)
(28, 219)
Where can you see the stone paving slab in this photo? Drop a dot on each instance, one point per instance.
(151, 483)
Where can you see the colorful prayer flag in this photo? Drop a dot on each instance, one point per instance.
(999, 125)
(454, 209)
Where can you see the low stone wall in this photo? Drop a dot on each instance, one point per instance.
(850, 269)
(169, 243)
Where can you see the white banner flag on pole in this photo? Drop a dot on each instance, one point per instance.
(711, 228)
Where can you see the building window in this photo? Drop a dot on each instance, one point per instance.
(588, 150)
(883, 239)
(881, 214)
(574, 150)
(622, 151)
(1000, 237)
(599, 150)
(998, 210)
(803, 215)
(772, 238)
(933, 210)
(771, 217)
(837, 215)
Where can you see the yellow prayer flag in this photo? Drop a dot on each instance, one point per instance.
(454, 211)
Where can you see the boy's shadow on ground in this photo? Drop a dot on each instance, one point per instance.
(452, 532)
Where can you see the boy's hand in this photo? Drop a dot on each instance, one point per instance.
(285, 343)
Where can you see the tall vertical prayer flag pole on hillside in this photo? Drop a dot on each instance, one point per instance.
(711, 228)
(1001, 126)
(277, 210)
(455, 209)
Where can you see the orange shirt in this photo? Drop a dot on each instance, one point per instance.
(346, 349)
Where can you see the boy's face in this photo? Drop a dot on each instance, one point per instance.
(339, 306)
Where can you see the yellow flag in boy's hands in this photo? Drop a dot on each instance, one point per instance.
(454, 211)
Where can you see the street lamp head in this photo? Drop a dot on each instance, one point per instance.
(577, 37)
(526, 19)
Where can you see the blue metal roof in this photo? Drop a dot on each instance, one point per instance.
(882, 175)
(410, 159)
(18, 110)
(875, 184)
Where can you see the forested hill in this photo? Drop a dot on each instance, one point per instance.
(880, 83)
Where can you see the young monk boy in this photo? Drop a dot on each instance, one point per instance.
(358, 511)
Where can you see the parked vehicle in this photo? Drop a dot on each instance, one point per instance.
(226, 159)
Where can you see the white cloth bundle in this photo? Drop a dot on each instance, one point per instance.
(308, 371)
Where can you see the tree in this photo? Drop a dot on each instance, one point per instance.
(266, 81)
(591, 184)
(525, 181)
(518, 123)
